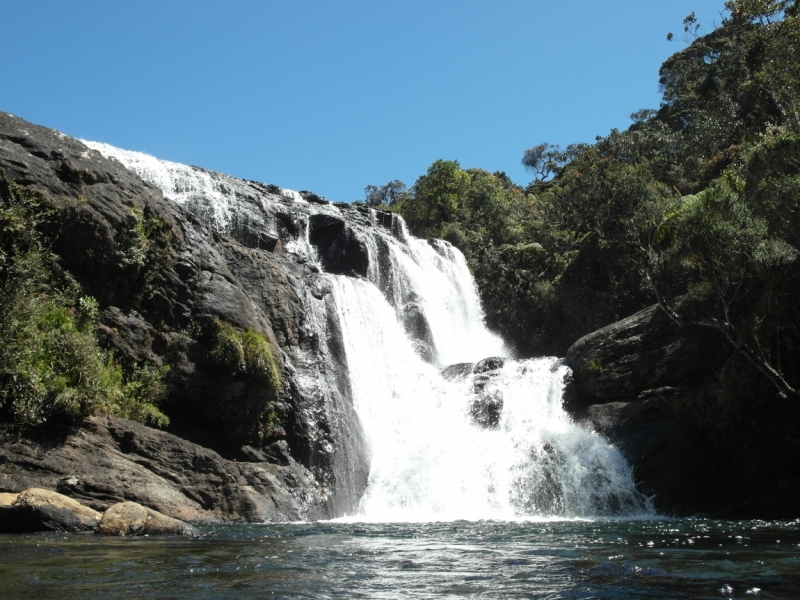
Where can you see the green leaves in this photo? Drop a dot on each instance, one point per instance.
(51, 366)
(244, 354)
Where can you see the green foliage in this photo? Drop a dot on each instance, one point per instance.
(386, 196)
(51, 366)
(595, 365)
(140, 246)
(270, 423)
(436, 198)
(244, 354)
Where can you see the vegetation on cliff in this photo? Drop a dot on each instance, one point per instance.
(698, 201)
(51, 365)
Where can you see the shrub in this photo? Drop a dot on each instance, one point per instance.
(244, 354)
(51, 366)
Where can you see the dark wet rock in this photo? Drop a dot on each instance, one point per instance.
(419, 330)
(112, 460)
(457, 371)
(652, 389)
(241, 275)
(130, 518)
(492, 363)
(642, 352)
(340, 249)
(486, 409)
(690, 467)
(312, 197)
(37, 509)
(250, 233)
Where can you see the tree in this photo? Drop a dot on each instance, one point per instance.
(436, 198)
(390, 194)
(730, 268)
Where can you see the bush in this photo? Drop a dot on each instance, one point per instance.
(51, 366)
(244, 354)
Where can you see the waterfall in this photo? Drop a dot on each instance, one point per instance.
(431, 461)
(446, 434)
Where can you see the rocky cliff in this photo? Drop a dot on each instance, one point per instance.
(250, 269)
(653, 389)
(177, 266)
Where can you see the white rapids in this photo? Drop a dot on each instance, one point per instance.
(431, 463)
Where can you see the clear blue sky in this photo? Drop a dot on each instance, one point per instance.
(332, 96)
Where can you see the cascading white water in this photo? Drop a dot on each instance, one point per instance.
(435, 276)
(429, 459)
(430, 462)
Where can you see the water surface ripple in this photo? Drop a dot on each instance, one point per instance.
(482, 559)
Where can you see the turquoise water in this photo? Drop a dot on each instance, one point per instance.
(490, 559)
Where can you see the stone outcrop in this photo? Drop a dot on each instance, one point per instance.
(108, 460)
(640, 354)
(129, 518)
(651, 389)
(485, 404)
(37, 509)
(339, 248)
(692, 469)
(158, 309)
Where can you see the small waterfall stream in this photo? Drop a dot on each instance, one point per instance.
(482, 440)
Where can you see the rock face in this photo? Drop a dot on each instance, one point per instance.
(110, 460)
(129, 518)
(38, 509)
(643, 352)
(339, 248)
(648, 386)
(485, 406)
(691, 471)
(220, 249)
(159, 310)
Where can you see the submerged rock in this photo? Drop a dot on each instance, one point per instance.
(130, 518)
(37, 509)
(486, 409)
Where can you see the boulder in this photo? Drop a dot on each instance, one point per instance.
(111, 460)
(642, 352)
(456, 371)
(493, 363)
(486, 409)
(418, 329)
(130, 518)
(37, 509)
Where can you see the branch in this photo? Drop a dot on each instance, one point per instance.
(758, 360)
